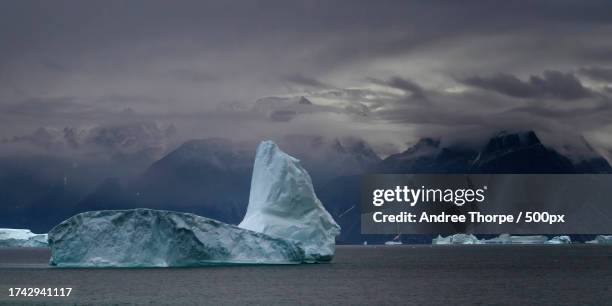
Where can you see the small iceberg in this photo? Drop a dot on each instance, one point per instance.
(501, 239)
(532, 239)
(393, 242)
(456, 239)
(560, 240)
(285, 223)
(397, 240)
(21, 238)
(601, 239)
(156, 238)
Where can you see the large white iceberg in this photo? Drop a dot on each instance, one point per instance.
(285, 223)
(10, 237)
(155, 238)
(601, 239)
(456, 239)
(282, 203)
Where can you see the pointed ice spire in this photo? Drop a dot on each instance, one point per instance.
(283, 203)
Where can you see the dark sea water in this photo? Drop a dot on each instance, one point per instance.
(359, 275)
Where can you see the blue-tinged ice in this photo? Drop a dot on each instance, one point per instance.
(528, 239)
(564, 239)
(393, 242)
(283, 204)
(456, 239)
(155, 238)
(501, 239)
(21, 238)
(601, 239)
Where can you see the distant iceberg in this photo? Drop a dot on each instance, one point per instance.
(393, 242)
(21, 238)
(501, 239)
(531, 239)
(528, 239)
(285, 223)
(601, 239)
(559, 240)
(456, 239)
(282, 203)
(155, 238)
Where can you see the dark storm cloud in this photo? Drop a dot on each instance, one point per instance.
(203, 64)
(553, 84)
(597, 73)
(44, 106)
(403, 84)
(301, 80)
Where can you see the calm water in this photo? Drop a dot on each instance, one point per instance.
(579, 274)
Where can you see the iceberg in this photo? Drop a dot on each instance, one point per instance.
(285, 223)
(533, 239)
(441, 240)
(21, 238)
(156, 238)
(601, 239)
(393, 242)
(283, 204)
(456, 239)
(559, 240)
(501, 239)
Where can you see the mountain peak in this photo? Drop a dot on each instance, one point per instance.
(303, 100)
(424, 145)
(505, 140)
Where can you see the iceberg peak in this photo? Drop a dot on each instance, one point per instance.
(283, 204)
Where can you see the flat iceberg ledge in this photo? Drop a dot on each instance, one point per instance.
(21, 238)
(157, 238)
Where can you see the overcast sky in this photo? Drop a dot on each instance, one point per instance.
(388, 71)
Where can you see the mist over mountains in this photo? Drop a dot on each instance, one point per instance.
(212, 176)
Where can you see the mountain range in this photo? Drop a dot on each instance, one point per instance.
(212, 176)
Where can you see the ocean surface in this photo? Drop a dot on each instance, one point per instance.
(359, 275)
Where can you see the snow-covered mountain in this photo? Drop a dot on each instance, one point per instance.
(327, 158)
(142, 139)
(520, 152)
(503, 153)
(429, 156)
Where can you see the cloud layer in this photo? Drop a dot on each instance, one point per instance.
(387, 71)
